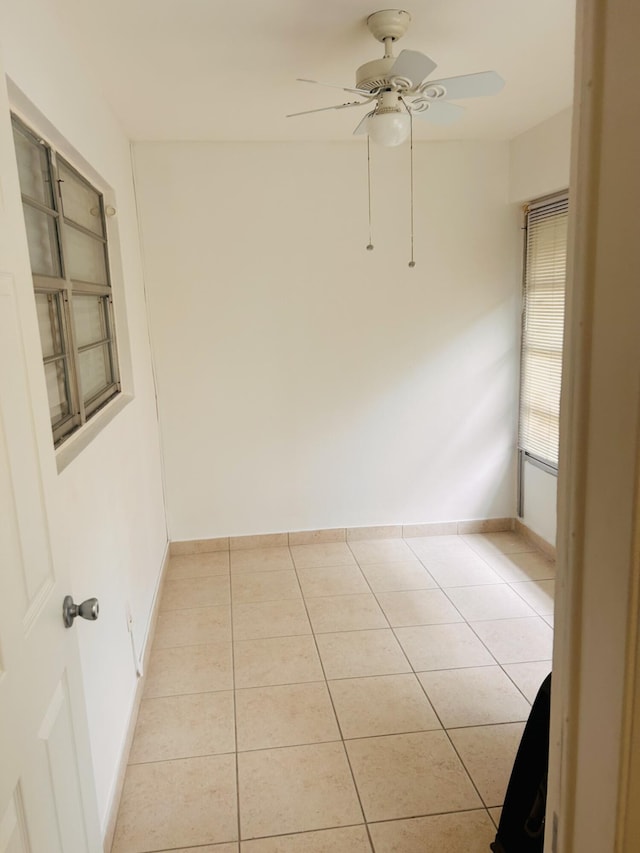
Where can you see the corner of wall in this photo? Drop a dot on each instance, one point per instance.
(540, 158)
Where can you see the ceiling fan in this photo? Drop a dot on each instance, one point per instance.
(400, 88)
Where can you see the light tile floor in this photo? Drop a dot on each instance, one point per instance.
(349, 697)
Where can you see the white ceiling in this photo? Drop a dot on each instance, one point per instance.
(207, 70)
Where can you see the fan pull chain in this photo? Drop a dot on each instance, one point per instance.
(370, 244)
(412, 263)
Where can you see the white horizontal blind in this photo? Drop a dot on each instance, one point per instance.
(542, 329)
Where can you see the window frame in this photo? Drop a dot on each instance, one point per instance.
(526, 454)
(62, 289)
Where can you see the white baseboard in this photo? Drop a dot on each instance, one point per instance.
(110, 824)
(547, 548)
(341, 534)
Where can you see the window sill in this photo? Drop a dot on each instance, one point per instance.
(76, 443)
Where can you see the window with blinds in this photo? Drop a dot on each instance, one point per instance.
(542, 329)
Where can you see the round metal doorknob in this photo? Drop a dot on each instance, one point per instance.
(89, 609)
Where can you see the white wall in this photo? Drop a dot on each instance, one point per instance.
(540, 490)
(540, 166)
(106, 506)
(540, 159)
(307, 383)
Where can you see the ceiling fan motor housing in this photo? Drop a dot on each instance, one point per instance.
(375, 74)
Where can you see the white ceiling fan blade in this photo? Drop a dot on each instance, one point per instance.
(363, 126)
(438, 112)
(467, 85)
(323, 109)
(333, 86)
(412, 65)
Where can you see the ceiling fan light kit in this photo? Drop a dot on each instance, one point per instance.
(398, 89)
(390, 123)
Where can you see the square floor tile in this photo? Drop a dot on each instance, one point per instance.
(496, 814)
(488, 753)
(490, 601)
(345, 613)
(169, 803)
(418, 607)
(380, 551)
(469, 570)
(538, 594)
(389, 577)
(296, 788)
(276, 660)
(322, 555)
(529, 566)
(185, 593)
(270, 619)
(285, 715)
(516, 640)
(506, 542)
(192, 627)
(340, 580)
(528, 677)
(462, 832)
(273, 559)
(198, 565)
(436, 547)
(351, 839)
(249, 587)
(350, 654)
(474, 697)
(189, 669)
(421, 774)
(184, 726)
(442, 647)
(381, 705)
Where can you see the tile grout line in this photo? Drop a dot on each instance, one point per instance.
(452, 744)
(314, 634)
(405, 656)
(383, 611)
(235, 705)
(335, 713)
(446, 731)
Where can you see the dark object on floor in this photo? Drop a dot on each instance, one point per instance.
(521, 828)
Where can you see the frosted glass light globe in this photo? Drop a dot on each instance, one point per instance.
(389, 128)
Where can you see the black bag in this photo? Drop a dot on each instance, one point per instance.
(521, 827)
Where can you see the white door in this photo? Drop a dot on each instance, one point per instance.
(47, 799)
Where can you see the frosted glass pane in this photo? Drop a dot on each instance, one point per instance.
(47, 308)
(33, 168)
(89, 319)
(95, 371)
(79, 202)
(84, 257)
(55, 374)
(43, 243)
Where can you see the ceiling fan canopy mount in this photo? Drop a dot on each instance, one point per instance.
(388, 24)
